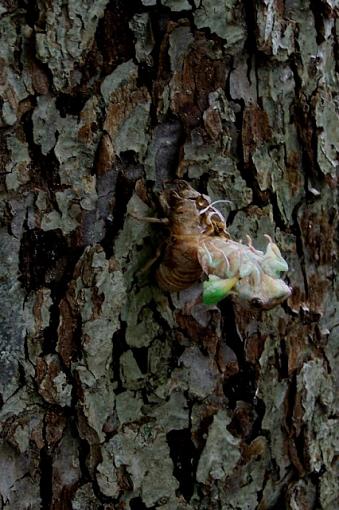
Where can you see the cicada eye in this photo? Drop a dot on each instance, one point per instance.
(256, 302)
(201, 202)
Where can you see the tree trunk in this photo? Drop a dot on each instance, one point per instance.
(115, 394)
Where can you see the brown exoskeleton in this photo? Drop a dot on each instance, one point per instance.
(189, 215)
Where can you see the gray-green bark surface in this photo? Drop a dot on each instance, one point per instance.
(114, 394)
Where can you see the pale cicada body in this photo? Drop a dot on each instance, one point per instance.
(251, 275)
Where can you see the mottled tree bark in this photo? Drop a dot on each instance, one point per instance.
(114, 394)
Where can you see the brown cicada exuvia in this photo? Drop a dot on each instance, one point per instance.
(199, 243)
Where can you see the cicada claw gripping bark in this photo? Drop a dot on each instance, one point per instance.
(198, 244)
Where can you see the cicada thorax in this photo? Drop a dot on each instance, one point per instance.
(225, 258)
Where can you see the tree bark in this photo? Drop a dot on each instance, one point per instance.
(114, 394)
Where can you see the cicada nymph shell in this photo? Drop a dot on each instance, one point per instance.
(191, 215)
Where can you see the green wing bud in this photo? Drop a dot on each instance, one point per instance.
(215, 289)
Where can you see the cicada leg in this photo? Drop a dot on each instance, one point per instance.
(149, 219)
(150, 262)
(209, 256)
(225, 259)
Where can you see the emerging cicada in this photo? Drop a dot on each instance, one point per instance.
(199, 243)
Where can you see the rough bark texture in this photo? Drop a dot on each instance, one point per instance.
(115, 395)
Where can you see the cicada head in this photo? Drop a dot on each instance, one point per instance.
(269, 292)
(180, 191)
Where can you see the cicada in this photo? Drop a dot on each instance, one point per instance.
(198, 243)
